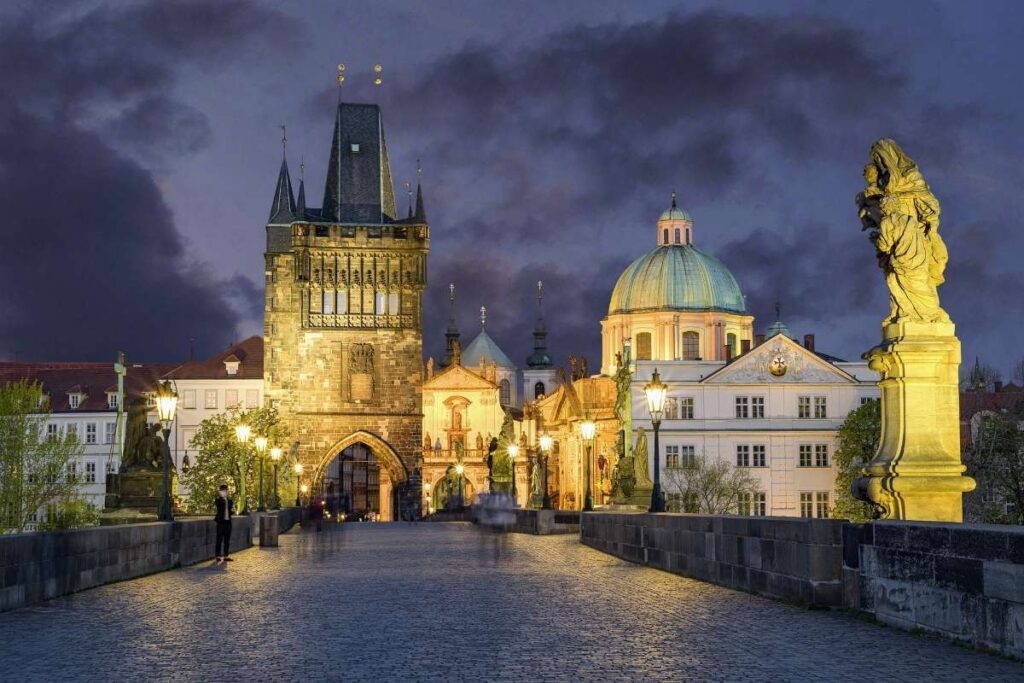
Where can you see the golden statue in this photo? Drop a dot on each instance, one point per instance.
(903, 215)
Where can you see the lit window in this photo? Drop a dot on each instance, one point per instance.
(354, 148)
(380, 303)
(691, 346)
(730, 341)
(393, 307)
(671, 409)
(252, 398)
(230, 398)
(342, 303)
(328, 306)
(211, 398)
(643, 346)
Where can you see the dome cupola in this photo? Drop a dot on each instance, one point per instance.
(675, 226)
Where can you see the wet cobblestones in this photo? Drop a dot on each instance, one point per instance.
(435, 602)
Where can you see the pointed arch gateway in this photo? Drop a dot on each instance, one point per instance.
(382, 449)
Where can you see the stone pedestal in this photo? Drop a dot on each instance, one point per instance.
(268, 531)
(139, 490)
(916, 473)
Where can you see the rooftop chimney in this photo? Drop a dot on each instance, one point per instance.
(745, 346)
(809, 342)
(727, 353)
(997, 385)
(758, 339)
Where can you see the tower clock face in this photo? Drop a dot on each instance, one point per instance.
(778, 366)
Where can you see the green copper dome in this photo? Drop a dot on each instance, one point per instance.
(674, 214)
(677, 277)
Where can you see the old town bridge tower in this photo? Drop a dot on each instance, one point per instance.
(343, 322)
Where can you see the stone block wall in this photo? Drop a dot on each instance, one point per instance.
(39, 566)
(959, 580)
(544, 522)
(784, 558)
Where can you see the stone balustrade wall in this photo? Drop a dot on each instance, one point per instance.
(959, 580)
(544, 522)
(42, 565)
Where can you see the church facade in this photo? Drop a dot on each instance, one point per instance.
(343, 319)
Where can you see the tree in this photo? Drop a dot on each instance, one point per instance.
(995, 458)
(36, 463)
(222, 459)
(708, 487)
(858, 439)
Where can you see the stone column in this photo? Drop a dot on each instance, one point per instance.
(916, 473)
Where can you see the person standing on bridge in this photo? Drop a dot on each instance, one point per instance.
(225, 511)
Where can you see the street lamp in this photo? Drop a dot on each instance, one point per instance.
(656, 391)
(588, 428)
(298, 484)
(546, 442)
(459, 469)
(166, 405)
(513, 451)
(275, 455)
(242, 433)
(261, 446)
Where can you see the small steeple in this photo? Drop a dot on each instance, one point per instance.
(300, 203)
(539, 358)
(282, 211)
(408, 190)
(451, 335)
(778, 327)
(421, 214)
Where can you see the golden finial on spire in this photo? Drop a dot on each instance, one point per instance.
(341, 75)
(377, 69)
(284, 139)
(302, 169)
(483, 317)
(451, 292)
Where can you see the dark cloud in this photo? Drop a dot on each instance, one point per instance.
(92, 261)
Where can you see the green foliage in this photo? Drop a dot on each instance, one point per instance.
(221, 459)
(995, 459)
(858, 439)
(33, 465)
(708, 487)
(70, 514)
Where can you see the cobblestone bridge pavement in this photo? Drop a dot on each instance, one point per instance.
(372, 602)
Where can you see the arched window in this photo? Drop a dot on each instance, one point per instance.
(538, 390)
(328, 301)
(677, 235)
(730, 341)
(505, 390)
(688, 236)
(691, 346)
(643, 346)
(665, 237)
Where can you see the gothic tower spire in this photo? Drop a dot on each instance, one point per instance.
(359, 188)
(282, 211)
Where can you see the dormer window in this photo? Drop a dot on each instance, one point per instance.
(75, 400)
(112, 400)
(354, 148)
(231, 364)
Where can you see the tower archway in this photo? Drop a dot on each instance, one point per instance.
(361, 474)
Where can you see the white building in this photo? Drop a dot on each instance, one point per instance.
(770, 406)
(205, 388)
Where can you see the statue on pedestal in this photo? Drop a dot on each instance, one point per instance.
(917, 473)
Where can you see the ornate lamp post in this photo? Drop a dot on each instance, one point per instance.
(242, 433)
(513, 451)
(261, 446)
(588, 428)
(275, 456)
(546, 442)
(459, 469)
(166, 405)
(656, 391)
(298, 484)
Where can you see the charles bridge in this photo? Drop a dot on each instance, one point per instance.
(446, 601)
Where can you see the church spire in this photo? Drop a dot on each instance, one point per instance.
(300, 203)
(421, 214)
(451, 335)
(359, 188)
(539, 358)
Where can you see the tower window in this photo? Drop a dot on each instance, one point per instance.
(506, 392)
(664, 237)
(538, 390)
(677, 235)
(730, 341)
(688, 236)
(354, 148)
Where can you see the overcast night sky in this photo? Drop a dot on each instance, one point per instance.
(139, 146)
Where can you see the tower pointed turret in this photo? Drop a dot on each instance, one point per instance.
(451, 335)
(359, 188)
(300, 203)
(421, 214)
(539, 358)
(282, 211)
